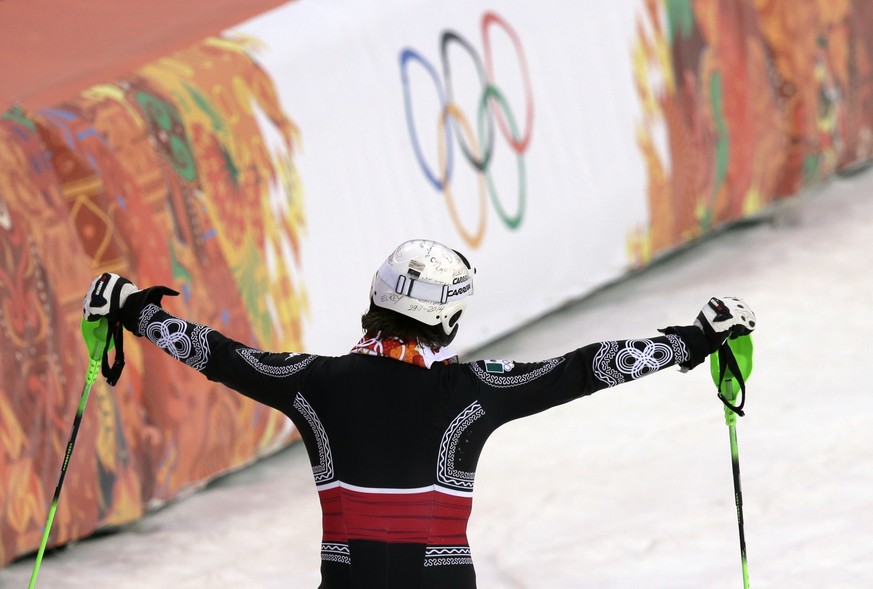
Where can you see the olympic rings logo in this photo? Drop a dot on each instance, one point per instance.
(452, 124)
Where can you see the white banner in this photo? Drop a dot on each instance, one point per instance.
(533, 172)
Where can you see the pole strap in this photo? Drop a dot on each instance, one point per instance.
(729, 368)
(115, 336)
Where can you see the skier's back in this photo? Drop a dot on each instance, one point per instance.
(394, 429)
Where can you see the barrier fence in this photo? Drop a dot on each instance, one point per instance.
(265, 173)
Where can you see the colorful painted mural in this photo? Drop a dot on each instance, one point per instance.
(745, 102)
(181, 173)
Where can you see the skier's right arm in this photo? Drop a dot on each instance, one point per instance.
(262, 376)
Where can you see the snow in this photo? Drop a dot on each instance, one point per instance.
(629, 488)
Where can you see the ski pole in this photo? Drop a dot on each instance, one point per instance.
(95, 334)
(729, 374)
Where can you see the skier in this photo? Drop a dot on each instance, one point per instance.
(394, 429)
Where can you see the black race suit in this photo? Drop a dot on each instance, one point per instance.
(394, 446)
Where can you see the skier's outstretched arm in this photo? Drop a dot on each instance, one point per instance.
(510, 390)
(262, 376)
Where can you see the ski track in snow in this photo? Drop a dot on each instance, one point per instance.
(629, 488)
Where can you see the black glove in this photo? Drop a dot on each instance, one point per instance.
(138, 300)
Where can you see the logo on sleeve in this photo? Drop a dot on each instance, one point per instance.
(498, 366)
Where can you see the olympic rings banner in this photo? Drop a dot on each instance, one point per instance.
(265, 173)
(455, 130)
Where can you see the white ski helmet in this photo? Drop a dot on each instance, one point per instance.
(426, 281)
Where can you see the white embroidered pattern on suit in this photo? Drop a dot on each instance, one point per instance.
(297, 362)
(447, 555)
(323, 471)
(171, 336)
(636, 358)
(508, 379)
(447, 474)
(336, 552)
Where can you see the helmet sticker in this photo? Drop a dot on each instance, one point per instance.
(415, 268)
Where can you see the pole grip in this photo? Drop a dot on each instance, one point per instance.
(736, 353)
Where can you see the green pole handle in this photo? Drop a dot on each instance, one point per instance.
(95, 334)
(742, 349)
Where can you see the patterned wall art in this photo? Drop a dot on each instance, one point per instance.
(182, 174)
(745, 102)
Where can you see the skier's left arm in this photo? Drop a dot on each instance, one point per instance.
(511, 390)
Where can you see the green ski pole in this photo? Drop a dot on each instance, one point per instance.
(729, 385)
(95, 334)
